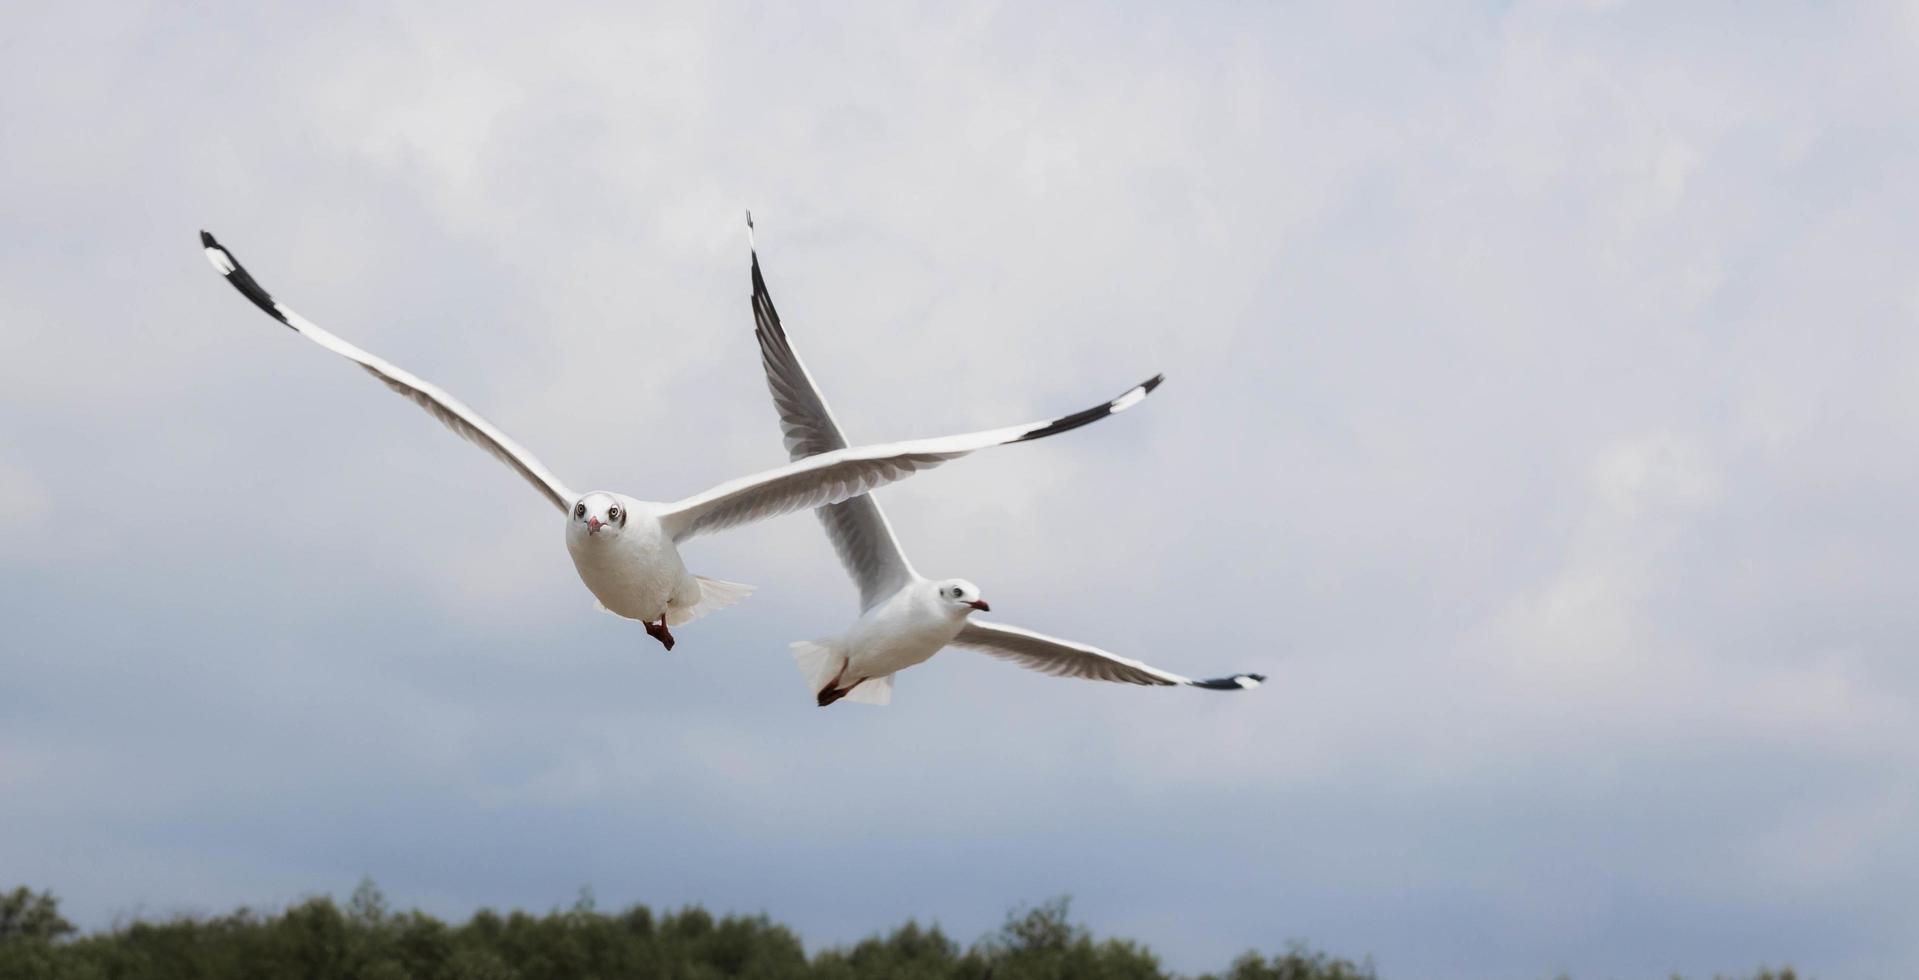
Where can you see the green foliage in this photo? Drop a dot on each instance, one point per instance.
(1765, 973)
(1042, 943)
(367, 940)
(27, 917)
(908, 953)
(1297, 963)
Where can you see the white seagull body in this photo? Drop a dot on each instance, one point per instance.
(626, 550)
(906, 618)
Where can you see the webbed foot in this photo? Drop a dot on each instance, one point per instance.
(659, 632)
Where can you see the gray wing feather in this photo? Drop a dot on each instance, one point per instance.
(858, 529)
(1063, 658)
(812, 482)
(452, 413)
(841, 474)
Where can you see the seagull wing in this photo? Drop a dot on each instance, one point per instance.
(858, 529)
(846, 473)
(1062, 658)
(449, 410)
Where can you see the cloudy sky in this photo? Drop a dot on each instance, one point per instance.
(1540, 416)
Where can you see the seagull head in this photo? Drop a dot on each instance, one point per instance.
(598, 514)
(961, 596)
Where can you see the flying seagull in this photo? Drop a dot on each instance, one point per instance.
(626, 549)
(905, 618)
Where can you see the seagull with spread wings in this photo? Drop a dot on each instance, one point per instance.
(625, 549)
(906, 618)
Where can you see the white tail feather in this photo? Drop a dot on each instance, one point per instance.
(818, 663)
(873, 690)
(715, 595)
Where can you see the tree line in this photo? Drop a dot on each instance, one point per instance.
(317, 939)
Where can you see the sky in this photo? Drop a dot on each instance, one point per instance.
(1539, 417)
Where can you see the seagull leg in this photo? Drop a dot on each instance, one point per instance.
(659, 632)
(832, 692)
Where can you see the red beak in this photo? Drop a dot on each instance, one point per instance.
(980, 604)
(592, 525)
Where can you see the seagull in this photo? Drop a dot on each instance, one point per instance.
(906, 618)
(625, 549)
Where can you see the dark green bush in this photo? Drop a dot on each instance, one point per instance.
(367, 940)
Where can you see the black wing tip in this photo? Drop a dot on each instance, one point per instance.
(242, 280)
(753, 249)
(1237, 682)
(766, 319)
(1067, 423)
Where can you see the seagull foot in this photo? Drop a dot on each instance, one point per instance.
(833, 691)
(659, 632)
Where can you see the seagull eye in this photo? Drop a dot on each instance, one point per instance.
(579, 510)
(612, 513)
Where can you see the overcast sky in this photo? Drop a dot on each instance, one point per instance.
(1540, 416)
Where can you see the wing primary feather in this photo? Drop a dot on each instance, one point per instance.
(818, 480)
(1066, 423)
(242, 280)
(858, 529)
(1065, 658)
(450, 411)
(1237, 682)
(829, 472)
